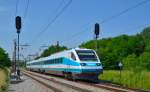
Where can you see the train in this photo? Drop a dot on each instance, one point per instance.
(77, 63)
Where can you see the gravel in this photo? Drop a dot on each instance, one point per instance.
(27, 85)
(65, 89)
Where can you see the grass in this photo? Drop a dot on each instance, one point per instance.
(3, 79)
(131, 79)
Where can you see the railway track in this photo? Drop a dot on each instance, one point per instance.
(55, 84)
(115, 88)
(62, 85)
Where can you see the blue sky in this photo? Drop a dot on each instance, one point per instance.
(79, 18)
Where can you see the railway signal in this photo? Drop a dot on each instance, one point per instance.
(96, 32)
(18, 27)
(18, 24)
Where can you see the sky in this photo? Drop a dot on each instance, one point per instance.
(72, 26)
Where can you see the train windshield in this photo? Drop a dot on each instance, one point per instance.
(86, 55)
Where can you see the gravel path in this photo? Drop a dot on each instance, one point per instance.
(27, 85)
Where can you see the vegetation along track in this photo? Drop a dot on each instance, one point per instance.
(88, 87)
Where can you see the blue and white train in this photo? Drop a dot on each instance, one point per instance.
(73, 64)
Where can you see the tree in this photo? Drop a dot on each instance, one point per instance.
(130, 62)
(4, 59)
(145, 61)
(52, 49)
(111, 51)
(146, 34)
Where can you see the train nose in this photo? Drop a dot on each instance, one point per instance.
(91, 67)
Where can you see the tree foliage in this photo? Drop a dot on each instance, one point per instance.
(130, 62)
(146, 34)
(131, 50)
(4, 59)
(52, 49)
(145, 61)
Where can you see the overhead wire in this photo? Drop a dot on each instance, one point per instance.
(16, 8)
(138, 27)
(53, 20)
(111, 17)
(26, 9)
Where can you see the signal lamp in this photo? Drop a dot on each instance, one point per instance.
(83, 64)
(97, 29)
(18, 24)
(98, 64)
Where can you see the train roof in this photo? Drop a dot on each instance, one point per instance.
(58, 54)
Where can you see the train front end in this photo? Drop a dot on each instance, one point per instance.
(90, 64)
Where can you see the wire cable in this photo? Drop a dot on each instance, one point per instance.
(16, 9)
(26, 9)
(124, 11)
(112, 17)
(52, 21)
(57, 15)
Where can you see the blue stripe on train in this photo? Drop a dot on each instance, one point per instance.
(70, 62)
(74, 70)
(64, 69)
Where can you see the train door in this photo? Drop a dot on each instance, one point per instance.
(70, 69)
(68, 63)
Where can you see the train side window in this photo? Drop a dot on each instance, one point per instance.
(61, 60)
(58, 60)
(48, 61)
(44, 62)
(53, 61)
(73, 56)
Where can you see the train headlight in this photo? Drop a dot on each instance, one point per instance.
(98, 64)
(83, 64)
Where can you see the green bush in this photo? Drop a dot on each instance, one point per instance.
(4, 59)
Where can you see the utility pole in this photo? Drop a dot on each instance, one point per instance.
(22, 46)
(42, 48)
(14, 57)
(57, 45)
(96, 32)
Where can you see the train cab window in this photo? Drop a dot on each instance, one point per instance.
(73, 56)
(86, 55)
